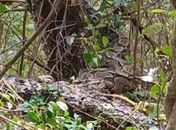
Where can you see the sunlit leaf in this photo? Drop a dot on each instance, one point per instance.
(167, 50)
(95, 60)
(52, 122)
(155, 89)
(105, 41)
(157, 50)
(99, 56)
(172, 13)
(62, 105)
(158, 11)
(33, 117)
(54, 106)
(131, 128)
(162, 117)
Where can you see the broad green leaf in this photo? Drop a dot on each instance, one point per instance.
(66, 113)
(2, 8)
(167, 50)
(158, 11)
(54, 106)
(33, 117)
(52, 122)
(95, 60)
(105, 41)
(99, 57)
(155, 89)
(88, 56)
(172, 13)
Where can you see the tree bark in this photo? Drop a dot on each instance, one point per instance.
(170, 101)
(63, 59)
(6, 67)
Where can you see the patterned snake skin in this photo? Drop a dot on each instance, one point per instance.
(116, 72)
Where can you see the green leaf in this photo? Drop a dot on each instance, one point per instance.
(87, 21)
(96, 47)
(152, 29)
(172, 13)
(8, 126)
(119, 23)
(99, 57)
(103, 6)
(131, 128)
(52, 122)
(167, 50)
(158, 11)
(2, 8)
(105, 41)
(88, 56)
(155, 89)
(128, 57)
(66, 113)
(34, 117)
(90, 126)
(54, 106)
(163, 78)
(95, 60)
(62, 105)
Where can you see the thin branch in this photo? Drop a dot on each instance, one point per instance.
(57, 7)
(136, 38)
(24, 39)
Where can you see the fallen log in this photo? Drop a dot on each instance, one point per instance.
(86, 99)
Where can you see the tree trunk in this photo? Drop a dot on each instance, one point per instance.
(170, 102)
(63, 59)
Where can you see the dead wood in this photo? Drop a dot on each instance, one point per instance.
(86, 99)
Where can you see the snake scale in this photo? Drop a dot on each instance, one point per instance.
(116, 72)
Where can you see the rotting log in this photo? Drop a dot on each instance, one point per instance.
(86, 99)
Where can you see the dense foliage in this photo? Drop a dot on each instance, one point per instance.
(149, 27)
